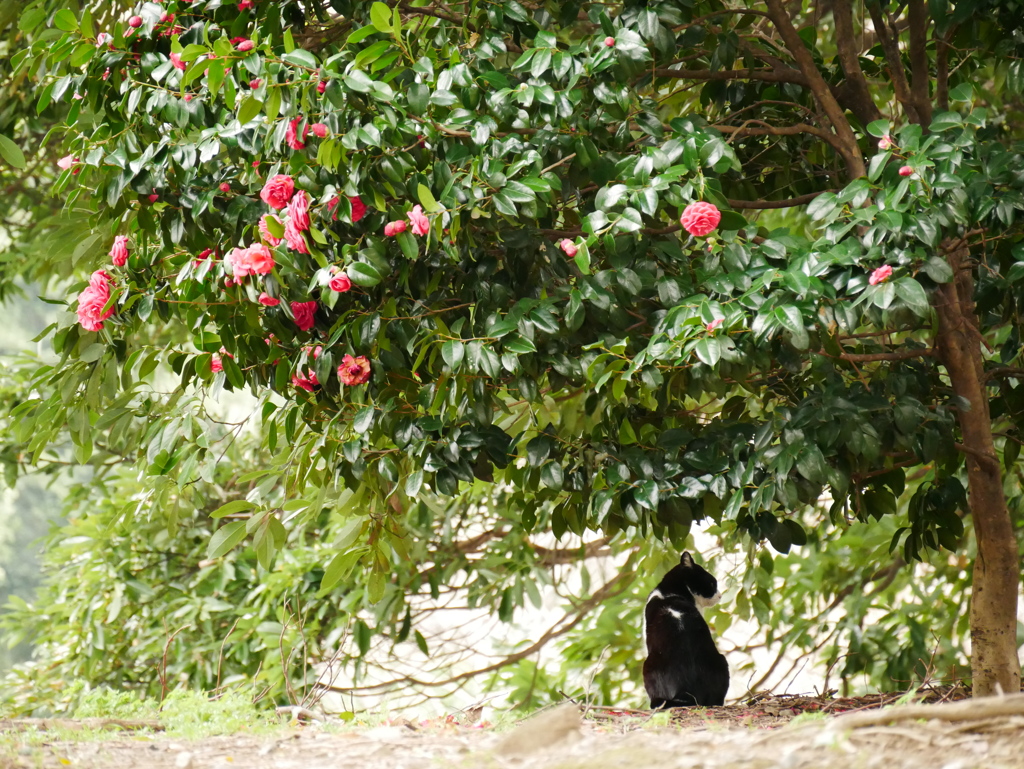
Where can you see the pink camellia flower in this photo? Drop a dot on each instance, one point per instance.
(154, 197)
(188, 97)
(319, 130)
(298, 211)
(307, 382)
(886, 143)
(254, 260)
(103, 37)
(303, 313)
(177, 62)
(880, 275)
(245, 5)
(92, 300)
(340, 283)
(321, 86)
(106, 73)
(225, 187)
(268, 301)
(906, 170)
(245, 45)
(265, 230)
(66, 162)
(135, 22)
(393, 228)
(568, 247)
(119, 251)
(255, 83)
(291, 134)
(610, 42)
(293, 237)
(278, 191)
(714, 324)
(699, 219)
(216, 364)
(420, 223)
(354, 371)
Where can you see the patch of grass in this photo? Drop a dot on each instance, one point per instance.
(193, 715)
(809, 717)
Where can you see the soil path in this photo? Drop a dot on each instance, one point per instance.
(972, 736)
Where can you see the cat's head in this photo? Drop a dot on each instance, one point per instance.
(689, 577)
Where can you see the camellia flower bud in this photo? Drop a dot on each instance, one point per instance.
(321, 86)
(245, 45)
(225, 187)
(906, 171)
(568, 247)
(886, 143)
(135, 22)
(610, 42)
(319, 130)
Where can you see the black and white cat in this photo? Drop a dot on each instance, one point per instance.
(683, 666)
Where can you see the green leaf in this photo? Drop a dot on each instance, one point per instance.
(225, 538)
(709, 350)
(427, 199)
(234, 506)
(789, 318)
(380, 17)
(963, 92)
(453, 352)
(414, 483)
(65, 20)
(250, 108)
(301, 58)
(878, 128)
(11, 152)
(938, 269)
(945, 120)
(363, 419)
(732, 221)
(823, 206)
(363, 274)
(913, 294)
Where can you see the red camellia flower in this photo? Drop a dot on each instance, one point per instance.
(298, 211)
(610, 42)
(319, 130)
(268, 301)
(307, 382)
(393, 228)
(906, 170)
(154, 197)
(354, 371)
(265, 230)
(293, 237)
(303, 313)
(880, 275)
(420, 223)
(166, 17)
(714, 324)
(245, 45)
(119, 251)
(177, 62)
(321, 86)
(255, 83)
(358, 208)
(568, 247)
(340, 283)
(278, 191)
(204, 254)
(135, 22)
(92, 300)
(225, 187)
(700, 218)
(245, 5)
(291, 134)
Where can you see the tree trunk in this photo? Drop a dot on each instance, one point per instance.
(994, 663)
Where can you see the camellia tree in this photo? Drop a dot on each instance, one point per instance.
(515, 243)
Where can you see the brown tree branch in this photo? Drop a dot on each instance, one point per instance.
(919, 69)
(897, 74)
(766, 204)
(764, 129)
(847, 146)
(872, 357)
(858, 93)
(787, 75)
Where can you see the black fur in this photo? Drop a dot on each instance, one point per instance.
(683, 666)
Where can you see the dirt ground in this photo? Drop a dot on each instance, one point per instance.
(787, 732)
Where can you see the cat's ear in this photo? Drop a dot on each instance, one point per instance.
(685, 560)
